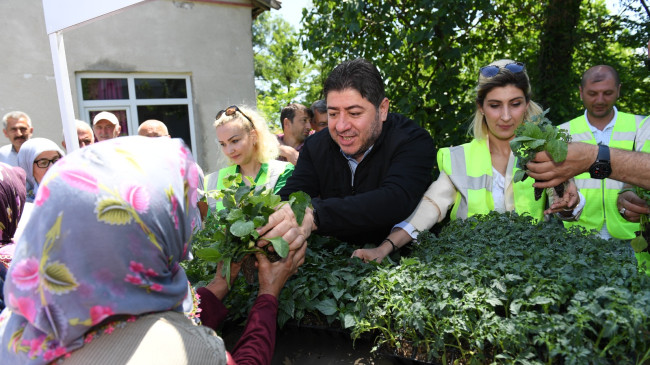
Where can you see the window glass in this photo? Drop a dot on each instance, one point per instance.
(105, 89)
(160, 88)
(175, 117)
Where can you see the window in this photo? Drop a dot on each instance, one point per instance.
(136, 97)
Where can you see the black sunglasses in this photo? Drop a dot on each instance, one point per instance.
(493, 70)
(44, 162)
(231, 110)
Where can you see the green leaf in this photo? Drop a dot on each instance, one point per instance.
(558, 150)
(299, 201)
(208, 254)
(234, 215)
(280, 246)
(242, 228)
(519, 175)
(112, 211)
(327, 307)
(242, 191)
(58, 279)
(348, 320)
(639, 244)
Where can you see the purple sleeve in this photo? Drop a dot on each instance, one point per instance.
(258, 340)
(213, 312)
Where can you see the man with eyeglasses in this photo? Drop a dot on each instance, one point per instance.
(603, 125)
(295, 126)
(17, 127)
(366, 172)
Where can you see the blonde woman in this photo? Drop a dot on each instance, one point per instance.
(477, 177)
(250, 146)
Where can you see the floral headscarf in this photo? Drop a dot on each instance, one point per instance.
(26, 156)
(114, 221)
(12, 200)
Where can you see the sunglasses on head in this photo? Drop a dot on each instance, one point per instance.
(231, 110)
(493, 70)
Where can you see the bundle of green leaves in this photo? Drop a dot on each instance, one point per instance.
(534, 136)
(230, 234)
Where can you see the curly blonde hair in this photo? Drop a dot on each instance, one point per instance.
(266, 148)
(478, 128)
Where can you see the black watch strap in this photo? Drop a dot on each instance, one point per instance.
(601, 169)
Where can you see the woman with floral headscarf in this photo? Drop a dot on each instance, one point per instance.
(98, 280)
(36, 156)
(12, 200)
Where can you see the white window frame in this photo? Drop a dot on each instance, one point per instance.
(131, 104)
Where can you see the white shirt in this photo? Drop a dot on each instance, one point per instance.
(603, 137)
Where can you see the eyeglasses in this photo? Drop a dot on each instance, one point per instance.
(44, 162)
(493, 70)
(231, 110)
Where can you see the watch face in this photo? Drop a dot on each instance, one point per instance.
(600, 170)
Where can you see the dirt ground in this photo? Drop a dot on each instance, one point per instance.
(304, 346)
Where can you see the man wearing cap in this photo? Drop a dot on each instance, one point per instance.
(106, 126)
(17, 127)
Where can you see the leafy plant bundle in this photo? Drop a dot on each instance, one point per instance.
(230, 235)
(640, 242)
(538, 135)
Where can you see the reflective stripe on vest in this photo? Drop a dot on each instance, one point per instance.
(469, 167)
(642, 136)
(600, 195)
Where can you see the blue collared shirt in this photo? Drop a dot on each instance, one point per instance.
(352, 162)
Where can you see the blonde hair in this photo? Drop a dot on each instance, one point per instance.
(267, 146)
(478, 127)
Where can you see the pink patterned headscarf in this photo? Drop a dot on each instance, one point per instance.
(113, 222)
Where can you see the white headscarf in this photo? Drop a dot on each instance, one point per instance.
(26, 156)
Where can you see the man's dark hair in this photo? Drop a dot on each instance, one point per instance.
(289, 111)
(360, 75)
(600, 73)
(319, 106)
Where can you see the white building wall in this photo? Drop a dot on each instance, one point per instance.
(210, 41)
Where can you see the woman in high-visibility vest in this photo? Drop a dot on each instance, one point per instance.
(477, 177)
(246, 140)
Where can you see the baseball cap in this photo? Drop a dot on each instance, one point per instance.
(106, 116)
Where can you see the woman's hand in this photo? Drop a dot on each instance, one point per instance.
(372, 254)
(567, 203)
(273, 275)
(219, 285)
(631, 206)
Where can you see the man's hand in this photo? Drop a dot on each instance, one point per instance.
(283, 224)
(219, 285)
(273, 276)
(634, 206)
(548, 173)
(290, 153)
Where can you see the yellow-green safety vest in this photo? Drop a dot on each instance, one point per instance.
(267, 177)
(601, 195)
(469, 166)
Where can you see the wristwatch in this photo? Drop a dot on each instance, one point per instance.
(601, 168)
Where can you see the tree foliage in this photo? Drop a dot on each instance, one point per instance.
(429, 51)
(283, 73)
